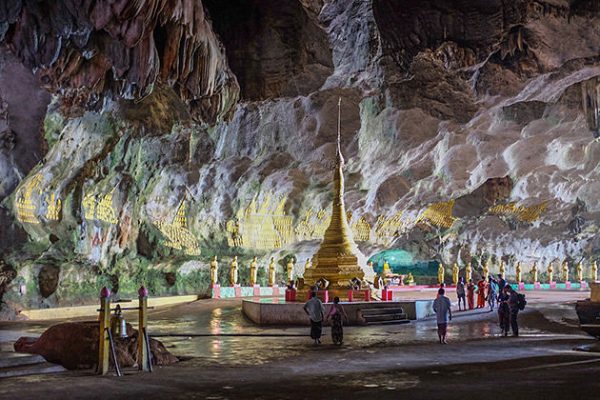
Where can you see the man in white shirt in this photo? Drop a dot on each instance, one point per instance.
(315, 310)
(442, 307)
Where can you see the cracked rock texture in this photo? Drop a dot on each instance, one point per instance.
(211, 104)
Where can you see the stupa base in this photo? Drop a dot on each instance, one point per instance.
(328, 295)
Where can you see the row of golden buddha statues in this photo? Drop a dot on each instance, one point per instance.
(253, 268)
(534, 272)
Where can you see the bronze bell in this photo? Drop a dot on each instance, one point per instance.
(118, 326)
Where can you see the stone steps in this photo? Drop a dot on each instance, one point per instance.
(384, 315)
(16, 364)
(8, 360)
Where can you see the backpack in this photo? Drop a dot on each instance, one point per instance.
(522, 302)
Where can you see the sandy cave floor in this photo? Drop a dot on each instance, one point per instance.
(379, 361)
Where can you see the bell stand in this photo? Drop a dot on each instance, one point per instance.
(106, 344)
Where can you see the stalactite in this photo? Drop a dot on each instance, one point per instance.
(85, 52)
(590, 100)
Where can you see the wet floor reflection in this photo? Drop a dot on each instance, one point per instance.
(227, 319)
(257, 350)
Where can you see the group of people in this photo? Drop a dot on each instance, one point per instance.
(487, 292)
(316, 313)
(509, 301)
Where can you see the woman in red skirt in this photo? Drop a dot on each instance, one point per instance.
(471, 294)
(481, 293)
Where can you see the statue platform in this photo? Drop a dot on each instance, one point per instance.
(282, 313)
(228, 292)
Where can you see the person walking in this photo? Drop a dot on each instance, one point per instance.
(336, 313)
(492, 292)
(503, 312)
(501, 284)
(513, 308)
(481, 293)
(315, 311)
(460, 293)
(471, 294)
(442, 309)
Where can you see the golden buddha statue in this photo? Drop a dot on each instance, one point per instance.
(565, 271)
(410, 279)
(253, 271)
(214, 271)
(233, 271)
(308, 264)
(594, 274)
(455, 273)
(518, 272)
(272, 272)
(386, 268)
(468, 272)
(502, 268)
(534, 272)
(579, 272)
(441, 273)
(290, 269)
(550, 273)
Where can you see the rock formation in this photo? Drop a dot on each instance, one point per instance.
(144, 136)
(74, 345)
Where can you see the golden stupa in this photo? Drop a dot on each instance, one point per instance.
(337, 260)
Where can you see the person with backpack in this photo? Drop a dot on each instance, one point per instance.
(516, 302)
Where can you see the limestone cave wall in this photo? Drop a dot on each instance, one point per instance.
(139, 138)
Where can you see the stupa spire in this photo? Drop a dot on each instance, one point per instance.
(336, 261)
(339, 156)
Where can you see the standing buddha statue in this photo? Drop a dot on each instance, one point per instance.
(534, 272)
(550, 273)
(441, 273)
(253, 271)
(468, 272)
(579, 272)
(502, 268)
(565, 271)
(455, 273)
(518, 272)
(594, 276)
(214, 271)
(308, 264)
(272, 271)
(386, 268)
(290, 269)
(233, 271)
